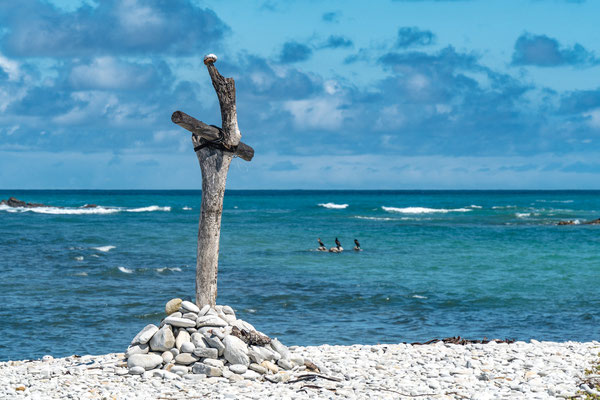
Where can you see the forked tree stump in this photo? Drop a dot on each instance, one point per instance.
(215, 148)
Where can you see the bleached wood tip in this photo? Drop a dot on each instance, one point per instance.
(210, 58)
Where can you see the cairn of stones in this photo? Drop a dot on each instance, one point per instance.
(209, 342)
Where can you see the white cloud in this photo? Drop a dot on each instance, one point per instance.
(593, 117)
(110, 73)
(318, 113)
(97, 104)
(10, 67)
(134, 16)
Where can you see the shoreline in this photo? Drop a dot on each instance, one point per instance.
(437, 371)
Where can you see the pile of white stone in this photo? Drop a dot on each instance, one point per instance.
(209, 342)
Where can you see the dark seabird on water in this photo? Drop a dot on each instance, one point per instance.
(337, 243)
(320, 243)
(357, 247)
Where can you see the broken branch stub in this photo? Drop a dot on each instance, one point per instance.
(209, 132)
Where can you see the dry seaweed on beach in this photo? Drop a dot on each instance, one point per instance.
(462, 341)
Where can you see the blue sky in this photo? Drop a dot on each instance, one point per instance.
(390, 94)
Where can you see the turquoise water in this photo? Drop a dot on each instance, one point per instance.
(435, 264)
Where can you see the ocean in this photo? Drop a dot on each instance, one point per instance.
(434, 264)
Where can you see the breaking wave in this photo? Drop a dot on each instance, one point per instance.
(104, 249)
(423, 210)
(80, 210)
(333, 205)
(375, 218)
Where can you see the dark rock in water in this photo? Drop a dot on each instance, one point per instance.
(567, 223)
(592, 222)
(13, 202)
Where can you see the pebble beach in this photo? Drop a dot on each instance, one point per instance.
(534, 370)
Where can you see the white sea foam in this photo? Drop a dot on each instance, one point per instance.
(95, 255)
(125, 270)
(374, 218)
(80, 274)
(149, 208)
(502, 207)
(555, 201)
(423, 210)
(79, 210)
(522, 215)
(416, 296)
(79, 258)
(333, 206)
(186, 208)
(104, 249)
(475, 206)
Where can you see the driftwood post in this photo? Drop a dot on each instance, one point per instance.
(215, 148)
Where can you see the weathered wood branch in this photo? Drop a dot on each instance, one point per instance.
(215, 148)
(225, 88)
(191, 124)
(209, 132)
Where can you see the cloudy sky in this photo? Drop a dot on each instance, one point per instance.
(388, 94)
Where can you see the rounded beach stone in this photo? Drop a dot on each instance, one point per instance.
(251, 375)
(146, 361)
(201, 368)
(243, 325)
(167, 357)
(186, 358)
(179, 370)
(136, 370)
(182, 337)
(210, 58)
(190, 307)
(190, 315)
(238, 368)
(173, 306)
(162, 340)
(215, 343)
(228, 310)
(203, 352)
(214, 363)
(204, 310)
(280, 348)
(258, 368)
(145, 334)
(180, 322)
(236, 351)
(137, 349)
(198, 340)
(285, 363)
(270, 366)
(187, 347)
(210, 320)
